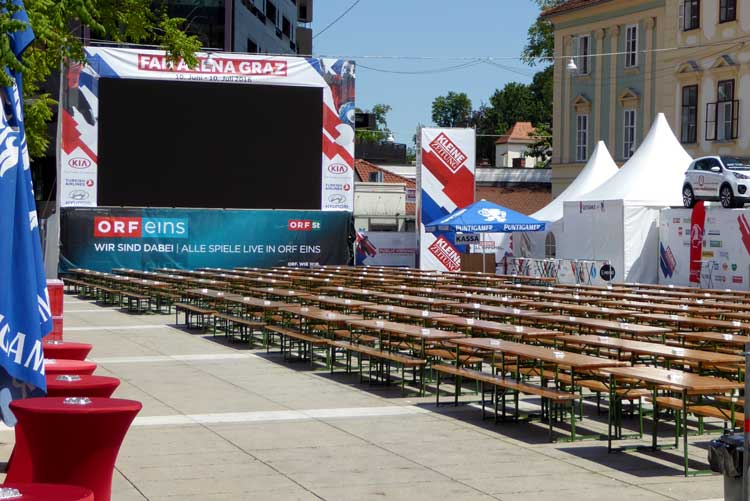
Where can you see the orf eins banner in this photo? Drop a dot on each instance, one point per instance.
(445, 182)
(106, 238)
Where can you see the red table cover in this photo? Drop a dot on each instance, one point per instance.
(75, 444)
(51, 492)
(19, 465)
(66, 350)
(78, 367)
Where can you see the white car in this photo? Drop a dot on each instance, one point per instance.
(723, 178)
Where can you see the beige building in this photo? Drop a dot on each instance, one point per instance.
(511, 149)
(636, 58)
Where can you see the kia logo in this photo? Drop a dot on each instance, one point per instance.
(79, 163)
(78, 195)
(338, 169)
(337, 199)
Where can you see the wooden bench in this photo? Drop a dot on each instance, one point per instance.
(550, 397)
(728, 416)
(232, 324)
(384, 359)
(107, 295)
(192, 312)
(306, 343)
(165, 298)
(74, 285)
(135, 302)
(365, 339)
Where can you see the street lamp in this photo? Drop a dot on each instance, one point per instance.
(571, 66)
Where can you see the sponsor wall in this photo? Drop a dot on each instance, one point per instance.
(722, 248)
(106, 238)
(445, 182)
(77, 186)
(386, 248)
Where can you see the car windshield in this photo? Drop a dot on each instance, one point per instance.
(736, 163)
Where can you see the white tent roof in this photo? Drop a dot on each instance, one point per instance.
(597, 170)
(654, 174)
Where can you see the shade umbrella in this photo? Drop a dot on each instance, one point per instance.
(485, 217)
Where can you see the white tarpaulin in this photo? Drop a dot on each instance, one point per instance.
(618, 220)
(597, 170)
(725, 243)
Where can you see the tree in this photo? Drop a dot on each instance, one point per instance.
(452, 110)
(540, 40)
(541, 87)
(541, 148)
(514, 103)
(381, 130)
(58, 26)
(484, 119)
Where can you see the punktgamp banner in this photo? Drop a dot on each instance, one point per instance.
(106, 238)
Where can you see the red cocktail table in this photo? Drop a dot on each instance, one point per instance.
(53, 366)
(51, 492)
(75, 444)
(66, 350)
(19, 465)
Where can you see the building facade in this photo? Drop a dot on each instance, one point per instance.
(636, 58)
(255, 26)
(511, 149)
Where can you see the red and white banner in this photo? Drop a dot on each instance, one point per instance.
(697, 225)
(77, 186)
(445, 182)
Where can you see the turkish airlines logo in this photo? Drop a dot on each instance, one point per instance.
(448, 152)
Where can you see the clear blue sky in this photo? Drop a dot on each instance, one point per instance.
(443, 28)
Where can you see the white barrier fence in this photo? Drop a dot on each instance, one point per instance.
(564, 271)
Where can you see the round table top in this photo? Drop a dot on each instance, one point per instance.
(61, 366)
(56, 405)
(85, 383)
(51, 492)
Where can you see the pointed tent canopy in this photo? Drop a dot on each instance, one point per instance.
(597, 171)
(485, 217)
(654, 174)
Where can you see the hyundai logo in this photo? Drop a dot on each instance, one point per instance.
(78, 195)
(79, 163)
(337, 199)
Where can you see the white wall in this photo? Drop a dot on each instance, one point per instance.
(374, 202)
(505, 153)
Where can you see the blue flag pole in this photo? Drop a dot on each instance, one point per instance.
(25, 316)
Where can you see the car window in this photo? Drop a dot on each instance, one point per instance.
(708, 163)
(736, 163)
(699, 165)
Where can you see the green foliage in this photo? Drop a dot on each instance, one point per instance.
(58, 26)
(381, 131)
(541, 148)
(452, 110)
(515, 103)
(540, 42)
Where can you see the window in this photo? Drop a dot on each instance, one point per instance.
(286, 27)
(376, 177)
(628, 131)
(689, 115)
(722, 117)
(582, 137)
(272, 13)
(690, 14)
(583, 51)
(727, 11)
(550, 250)
(631, 46)
(252, 47)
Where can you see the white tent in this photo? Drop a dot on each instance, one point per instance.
(597, 170)
(618, 221)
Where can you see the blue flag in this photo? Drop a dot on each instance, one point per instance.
(25, 316)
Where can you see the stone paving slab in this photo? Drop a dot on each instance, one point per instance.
(218, 427)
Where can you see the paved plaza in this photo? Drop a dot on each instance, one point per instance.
(222, 421)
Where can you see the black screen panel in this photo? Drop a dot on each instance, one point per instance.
(197, 144)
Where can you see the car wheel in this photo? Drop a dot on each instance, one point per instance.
(726, 196)
(688, 198)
